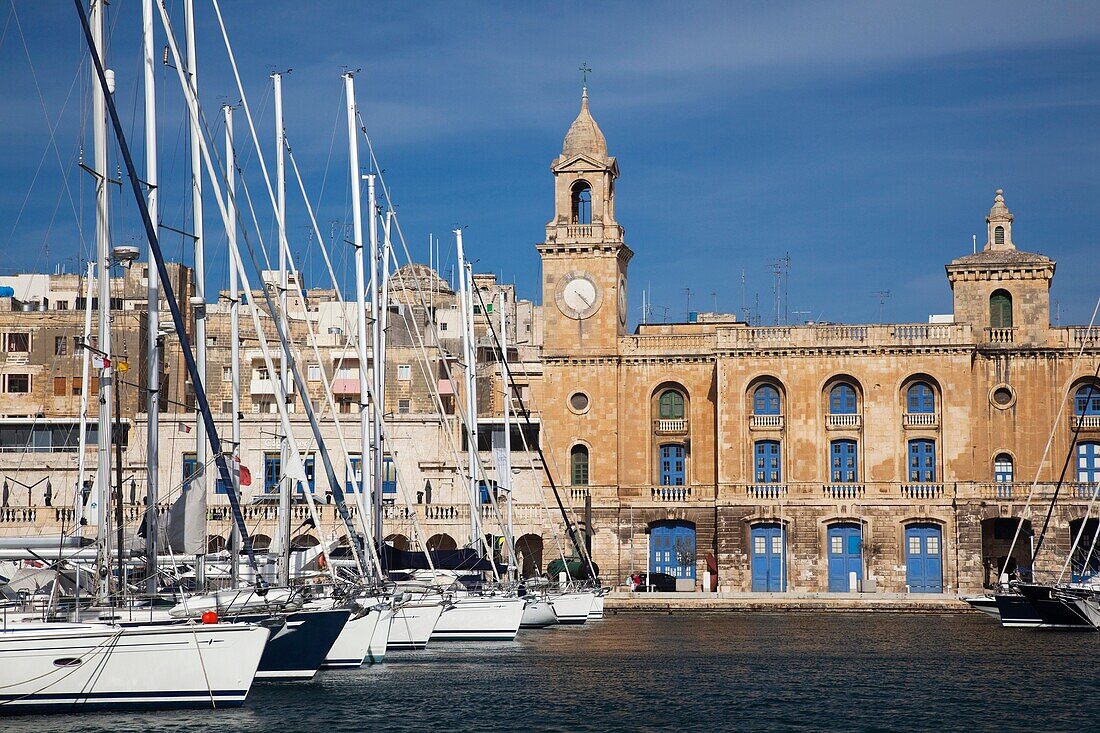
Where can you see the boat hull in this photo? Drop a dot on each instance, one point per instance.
(299, 645)
(352, 646)
(376, 651)
(412, 624)
(84, 667)
(1053, 612)
(987, 604)
(1017, 612)
(480, 618)
(538, 614)
(573, 608)
(597, 607)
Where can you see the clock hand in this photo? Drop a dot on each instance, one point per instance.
(586, 301)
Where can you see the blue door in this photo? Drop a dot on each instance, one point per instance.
(845, 556)
(922, 461)
(272, 472)
(768, 565)
(923, 563)
(843, 463)
(769, 462)
(672, 549)
(1088, 463)
(671, 465)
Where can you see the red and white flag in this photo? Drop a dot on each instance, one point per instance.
(184, 427)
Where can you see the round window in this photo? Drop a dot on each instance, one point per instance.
(1002, 396)
(578, 402)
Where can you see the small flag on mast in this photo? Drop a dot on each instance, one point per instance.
(184, 427)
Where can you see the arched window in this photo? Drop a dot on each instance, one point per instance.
(671, 405)
(920, 399)
(1003, 469)
(1087, 400)
(999, 235)
(843, 463)
(765, 400)
(842, 400)
(1000, 309)
(582, 203)
(578, 463)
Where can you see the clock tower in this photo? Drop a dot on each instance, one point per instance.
(584, 258)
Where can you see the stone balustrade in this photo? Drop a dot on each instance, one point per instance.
(765, 422)
(924, 420)
(762, 337)
(670, 426)
(843, 422)
(1000, 335)
(1084, 422)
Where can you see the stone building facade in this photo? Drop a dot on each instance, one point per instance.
(820, 457)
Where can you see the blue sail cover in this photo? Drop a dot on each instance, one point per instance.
(467, 560)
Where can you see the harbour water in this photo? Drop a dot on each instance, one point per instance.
(720, 671)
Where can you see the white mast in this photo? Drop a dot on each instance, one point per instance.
(504, 468)
(201, 448)
(285, 487)
(152, 315)
(234, 336)
(377, 388)
(103, 254)
(360, 302)
(468, 357)
(84, 369)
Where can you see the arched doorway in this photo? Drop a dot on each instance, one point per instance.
(215, 544)
(845, 548)
(304, 542)
(398, 542)
(442, 542)
(1084, 564)
(924, 558)
(529, 555)
(999, 556)
(672, 550)
(261, 542)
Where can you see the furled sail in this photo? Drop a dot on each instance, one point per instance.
(187, 521)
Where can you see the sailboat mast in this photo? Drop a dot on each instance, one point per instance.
(103, 255)
(84, 373)
(285, 488)
(198, 483)
(234, 336)
(505, 467)
(471, 394)
(360, 301)
(152, 314)
(376, 372)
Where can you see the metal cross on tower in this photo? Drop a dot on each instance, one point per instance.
(585, 71)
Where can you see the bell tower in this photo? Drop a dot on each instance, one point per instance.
(1003, 292)
(584, 258)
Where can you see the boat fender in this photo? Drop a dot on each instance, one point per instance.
(209, 617)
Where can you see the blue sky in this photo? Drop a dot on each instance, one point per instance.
(865, 139)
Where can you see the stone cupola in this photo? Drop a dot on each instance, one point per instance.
(1003, 292)
(584, 136)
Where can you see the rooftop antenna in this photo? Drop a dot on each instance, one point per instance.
(777, 287)
(882, 295)
(714, 295)
(687, 314)
(796, 315)
(974, 242)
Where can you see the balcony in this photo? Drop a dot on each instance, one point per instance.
(671, 493)
(766, 491)
(766, 422)
(921, 420)
(670, 426)
(1000, 335)
(843, 422)
(1085, 422)
(843, 491)
(922, 491)
(345, 386)
(266, 387)
(1000, 490)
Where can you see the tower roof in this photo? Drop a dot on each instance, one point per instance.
(999, 212)
(584, 136)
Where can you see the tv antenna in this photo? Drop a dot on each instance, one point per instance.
(883, 296)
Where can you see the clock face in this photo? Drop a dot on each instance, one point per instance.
(578, 296)
(622, 300)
